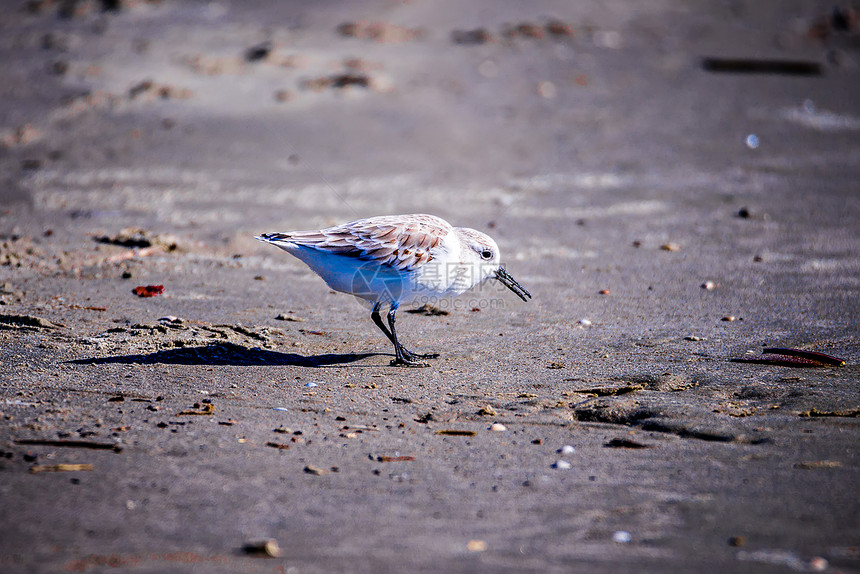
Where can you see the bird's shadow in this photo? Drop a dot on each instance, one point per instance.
(227, 354)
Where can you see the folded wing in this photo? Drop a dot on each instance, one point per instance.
(404, 243)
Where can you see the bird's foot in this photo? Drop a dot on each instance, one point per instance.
(410, 356)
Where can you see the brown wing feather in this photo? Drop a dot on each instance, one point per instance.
(403, 242)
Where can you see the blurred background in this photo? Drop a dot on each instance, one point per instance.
(227, 111)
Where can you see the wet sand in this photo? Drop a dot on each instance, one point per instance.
(667, 215)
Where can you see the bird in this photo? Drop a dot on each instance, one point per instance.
(395, 260)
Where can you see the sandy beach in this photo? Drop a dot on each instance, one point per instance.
(676, 184)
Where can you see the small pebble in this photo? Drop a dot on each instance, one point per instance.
(498, 427)
(584, 323)
(547, 90)
(709, 285)
(604, 292)
(621, 536)
(561, 465)
(258, 52)
(289, 317)
(487, 411)
(818, 564)
(476, 546)
(729, 318)
(566, 449)
(694, 338)
(267, 548)
(670, 247)
(310, 385)
(752, 141)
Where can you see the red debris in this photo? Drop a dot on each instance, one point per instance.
(792, 358)
(148, 290)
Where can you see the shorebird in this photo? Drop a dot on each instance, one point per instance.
(398, 260)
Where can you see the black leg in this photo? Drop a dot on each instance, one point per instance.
(378, 321)
(402, 356)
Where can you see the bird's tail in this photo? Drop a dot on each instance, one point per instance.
(273, 237)
(282, 240)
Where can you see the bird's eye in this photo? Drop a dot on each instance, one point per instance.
(486, 254)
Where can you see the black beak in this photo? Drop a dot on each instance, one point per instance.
(512, 284)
